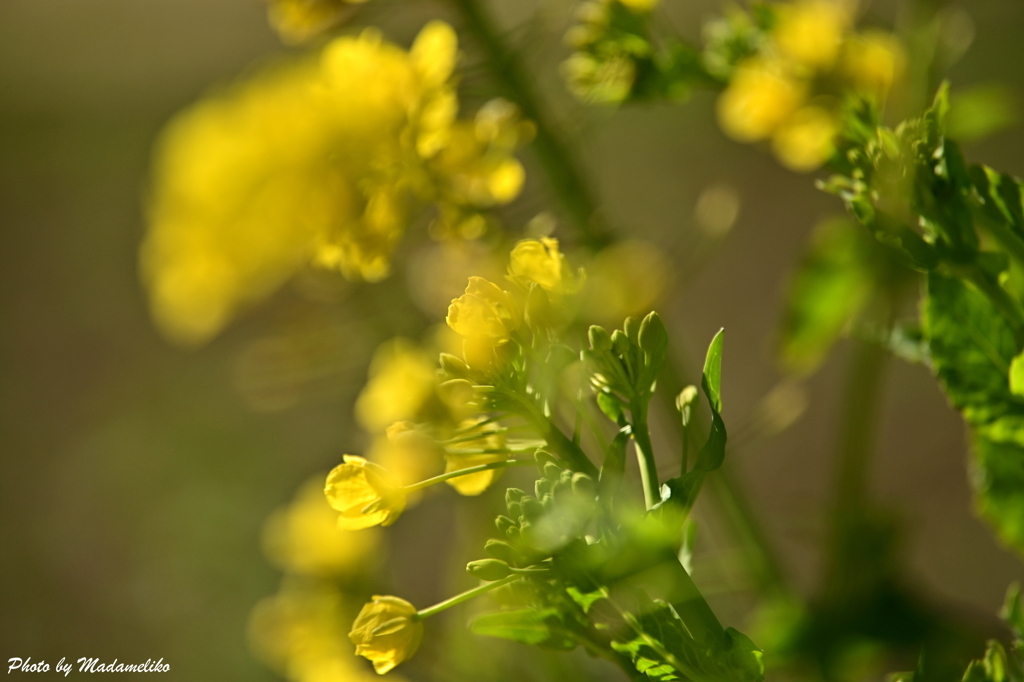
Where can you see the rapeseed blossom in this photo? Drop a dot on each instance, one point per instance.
(319, 161)
(387, 631)
(485, 317)
(781, 93)
(364, 493)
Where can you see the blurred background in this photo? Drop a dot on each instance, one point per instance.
(136, 476)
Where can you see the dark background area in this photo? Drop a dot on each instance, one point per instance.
(136, 476)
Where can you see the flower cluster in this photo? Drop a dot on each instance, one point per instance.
(788, 86)
(317, 161)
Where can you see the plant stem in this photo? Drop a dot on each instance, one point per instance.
(864, 383)
(563, 171)
(465, 596)
(645, 454)
(468, 471)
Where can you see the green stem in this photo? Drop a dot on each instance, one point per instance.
(863, 391)
(468, 471)
(564, 174)
(645, 454)
(465, 596)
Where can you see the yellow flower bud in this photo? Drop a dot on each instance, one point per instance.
(387, 632)
(364, 494)
(540, 261)
(484, 313)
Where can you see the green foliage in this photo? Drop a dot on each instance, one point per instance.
(972, 348)
(972, 323)
(597, 571)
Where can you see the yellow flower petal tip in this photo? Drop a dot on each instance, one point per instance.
(386, 632)
(364, 494)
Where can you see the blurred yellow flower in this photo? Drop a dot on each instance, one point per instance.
(313, 162)
(387, 632)
(364, 493)
(807, 139)
(474, 484)
(539, 261)
(303, 537)
(759, 98)
(810, 32)
(873, 61)
(402, 380)
(410, 455)
(300, 632)
(299, 20)
(624, 279)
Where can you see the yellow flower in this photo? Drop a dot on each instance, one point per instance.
(759, 98)
(810, 32)
(304, 538)
(474, 484)
(364, 494)
(298, 20)
(484, 313)
(539, 261)
(387, 632)
(807, 139)
(402, 381)
(873, 61)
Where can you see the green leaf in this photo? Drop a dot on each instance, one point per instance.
(971, 346)
(1017, 375)
(829, 288)
(712, 379)
(528, 626)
